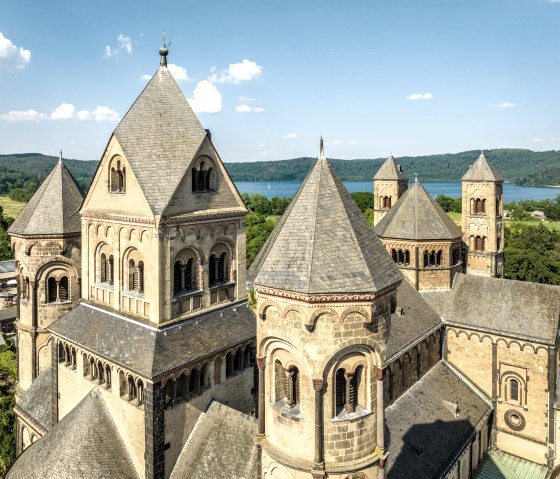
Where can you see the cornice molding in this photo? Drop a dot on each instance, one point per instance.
(180, 220)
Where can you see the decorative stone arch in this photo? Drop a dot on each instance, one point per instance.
(475, 334)
(505, 378)
(191, 230)
(219, 230)
(25, 438)
(132, 276)
(131, 232)
(144, 235)
(267, 345)
(220, 262)
(514, 341)
(354, 310)
(264, 307)
(541, 348)
(185, 277)
(502, 340)
(69, 249)
(312, 320)
(231, 228)
(462, 332)
(205, 231)
(116, 174)
(366, 347)
(29, 248)
(293, 308)
(528, 346)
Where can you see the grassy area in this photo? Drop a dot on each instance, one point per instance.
(11, 208)
(456, 217)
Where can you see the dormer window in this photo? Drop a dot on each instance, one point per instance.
(117, 176)
(203, 176)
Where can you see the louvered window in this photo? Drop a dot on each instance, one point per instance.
(177, 277)
(189, 276)
(340, 390)
(63, 285)
(213, 270)
(52, 290)
(514, 389)
(103, 268)
(131, 274)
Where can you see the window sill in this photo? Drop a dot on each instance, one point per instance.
(107, 286)
(353, 416)
(187, 294)
(57, 303)
(293, 413)
(132, 294)
(117, 192)
(221, 285)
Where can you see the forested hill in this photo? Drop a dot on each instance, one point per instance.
(523, 167)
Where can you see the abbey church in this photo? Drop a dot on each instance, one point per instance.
(146, 349)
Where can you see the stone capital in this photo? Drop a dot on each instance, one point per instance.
(318, 384)
(261, 362)
(379, 373)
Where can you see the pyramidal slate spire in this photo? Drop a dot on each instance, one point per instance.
(323, 243)
(54, 208)
(389, 170)
(482, 170)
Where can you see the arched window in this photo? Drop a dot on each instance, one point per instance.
(117, 177)
(394, 256)
(279, 381)
(100, 372)
(184, 276)
(131, 388)
(223, 268)
(340, 391)
(63, 286)
(238, 361)
(52, 290)
(201, 179)
(102, 268)
(513, 390)
(210, 180)
(93, 369)
(131, 274)
(73, 358)
(407, 257)
(218, 370)
(350, 390)
(108, 375)
(109, 270)
(61, 353)
(85, 364)
(122, 384)
(177, 277)
(140, 268)
(204, 375)
(479, 243)
(194, 178)
(140, 391)
(292, 386)
(135, 268)
(194, 381)
(439, 257)
(213, 270)
(229, 365)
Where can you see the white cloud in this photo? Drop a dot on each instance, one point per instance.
(341, 142)
(505, 104)
(237, 72)
(246, 99)
(179, 73)
(125, 43)
(146, 77)
(243, 108)
(11, 57)
(83, 115)
(419, 96)
(289, 136)
(104, 113)
(24, 115)
(65, 111)
(206, 98)
(246, 109)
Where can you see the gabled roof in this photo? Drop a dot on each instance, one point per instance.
(54, 208)
(323, 244)
(150, 352)
(482, 170)
(85, 443)
(512, 308)
(417, 216)
(389, 170)
(160, 135)
(221, 446)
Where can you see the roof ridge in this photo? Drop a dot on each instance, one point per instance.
(318, 163)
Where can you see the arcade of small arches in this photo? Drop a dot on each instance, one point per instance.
(192, 381)
(401, 257)
(477, 243)
(385, 202)
(27, 438)
(99, 371)
(203, 176)
(403, 372)
(478, 206)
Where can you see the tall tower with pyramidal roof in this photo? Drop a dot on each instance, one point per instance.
(389, 184)
(325, 289)
(483, 225)
(46, 242)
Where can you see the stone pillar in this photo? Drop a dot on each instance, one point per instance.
(380, 421)
(348, 406)
(290, 400)
(261, 364)
(318, 388)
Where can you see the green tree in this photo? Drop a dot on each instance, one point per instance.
(449, 204)
(7, 402)
(258, 230)
(363, 199)
(369, 216)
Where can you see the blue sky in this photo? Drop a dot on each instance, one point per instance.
(372, 77)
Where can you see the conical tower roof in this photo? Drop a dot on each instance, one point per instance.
(85, 443)
(53, 209)
(323, 244)
(160, 135)
(482, 170)
(417, 216)
(390, 170)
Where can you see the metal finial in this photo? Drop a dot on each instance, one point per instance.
(60, 157)
(416, 178)
(163, 51)
(321, 150)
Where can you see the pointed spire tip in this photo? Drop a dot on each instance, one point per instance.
(321, 149)
(163, 51)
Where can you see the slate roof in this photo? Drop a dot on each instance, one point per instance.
(482, 170)
(424, 433)
(417, 216)
(323, 244)
(36, 403)
(417, 321)
(160, 136)
(85, 443)
(389, 170)
(513, 308)
(151, 352)
(221, 446)
(7, 266)
(53, 209)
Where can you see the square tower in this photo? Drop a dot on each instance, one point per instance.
(389, 184)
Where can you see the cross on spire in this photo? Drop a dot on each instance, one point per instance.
(163, 51)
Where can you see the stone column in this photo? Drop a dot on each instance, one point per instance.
(290, 401)
(348, 406)
(318, 387)
(380, 421)
(261, 364)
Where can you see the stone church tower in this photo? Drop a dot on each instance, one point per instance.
(46, 241)
(389, 184)
(483, 226)
(323, 308)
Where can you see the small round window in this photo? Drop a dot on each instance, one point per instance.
(514, 420)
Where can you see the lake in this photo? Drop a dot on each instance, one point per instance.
(451, 188)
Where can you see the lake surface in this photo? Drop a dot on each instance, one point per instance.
(452, 188)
